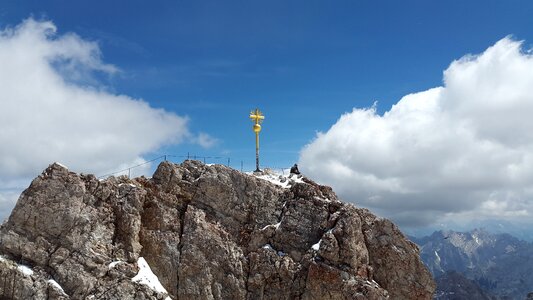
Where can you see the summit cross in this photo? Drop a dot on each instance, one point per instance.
(258, 118)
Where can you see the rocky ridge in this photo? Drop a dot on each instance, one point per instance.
(195, 231)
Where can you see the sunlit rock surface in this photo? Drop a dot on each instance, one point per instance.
(195, 231)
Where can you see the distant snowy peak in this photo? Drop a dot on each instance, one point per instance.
(469, 242)
(498, 263)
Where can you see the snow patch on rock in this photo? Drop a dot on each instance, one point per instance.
(54, 283)
(147, 277)
(25, 270)
(276, 226)
(268, 247)
(316, 246)
(113, 264)
(61, 165)
(282, 180)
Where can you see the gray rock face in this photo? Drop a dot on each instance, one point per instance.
(206, 232)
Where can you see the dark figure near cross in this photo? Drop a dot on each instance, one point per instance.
(294, 170)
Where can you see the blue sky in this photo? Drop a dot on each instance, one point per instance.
(304, 64)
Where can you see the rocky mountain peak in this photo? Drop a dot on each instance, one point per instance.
(196, 231)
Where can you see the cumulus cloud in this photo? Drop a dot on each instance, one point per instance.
(205, 140)
(456, 152)
(49, 113)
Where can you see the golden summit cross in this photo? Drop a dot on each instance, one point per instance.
(258, 118)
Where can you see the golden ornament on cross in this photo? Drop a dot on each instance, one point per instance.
(257, 117)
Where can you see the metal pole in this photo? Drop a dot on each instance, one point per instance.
(241, 165)
(228, 161)
(257, 117)
(257, 152)
(129, 173)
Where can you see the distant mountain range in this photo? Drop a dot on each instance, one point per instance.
(520, 230)
(500, 265)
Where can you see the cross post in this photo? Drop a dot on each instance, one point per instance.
(257, 117)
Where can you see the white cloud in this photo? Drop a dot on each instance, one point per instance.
(48, 113)
(461, 151)
(205, 140)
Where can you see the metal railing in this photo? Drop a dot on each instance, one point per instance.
(206, 159)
